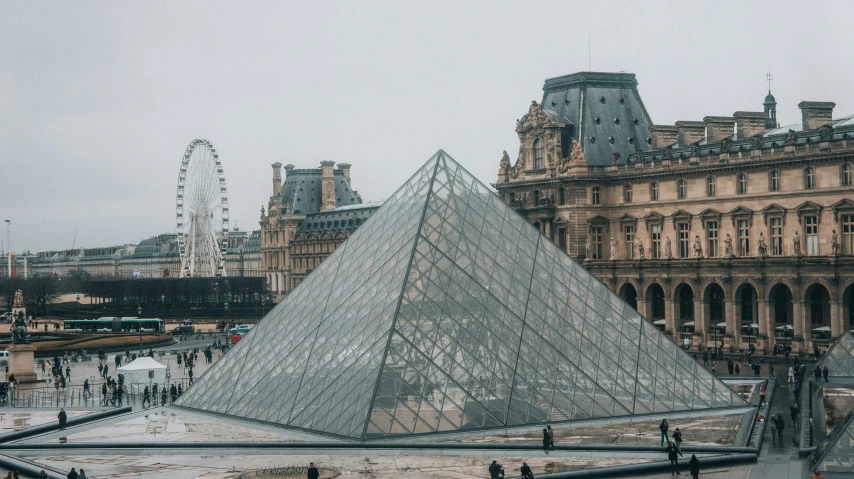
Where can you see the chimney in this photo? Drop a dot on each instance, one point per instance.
(345, 167)
(816, 114)
(327, 184)
(663, 136)
(719, 127)
(690, 132)
(277, 178)
(749, 123)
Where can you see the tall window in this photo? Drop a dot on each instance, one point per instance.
(653, 191)
(743, 238)
(594, 195)
(562, 196)
(742, 183)
(811, 233)
(561, 238)
(712, 238)
(655, 237)
(847, 234)
(627, 193)
(536, 197)
(538, 154)
(846, 174)
(596, 242)
(711, 186)
(684, 240)
(681, 189)
(630, 242)
(809, 178)
(774, 183)
(777, 236)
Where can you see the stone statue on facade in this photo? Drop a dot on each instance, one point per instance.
(263, 211)
(19, 330)
(796, 244)
(587, 249)
(728, 247)
(576, 156)
(834, 243)
(757, 142)
(791, 138)
(698, 247)
(695, 149)
(825, 133)
(641, 251)
(19, 299)
(505, 161)
(726, 145)
(668, 253)
(613, 248)
(760, 247)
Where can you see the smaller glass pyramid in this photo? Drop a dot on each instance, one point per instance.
(835, 456)
(839, 358)
(447, 311)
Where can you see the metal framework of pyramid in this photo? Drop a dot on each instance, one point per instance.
(839, 358)
(835, 457)
(447, 311)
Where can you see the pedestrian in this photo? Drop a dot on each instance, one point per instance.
(791, 375)
(119, 394)
(551, 436)
(72, 474)
(663, 427)
(757, 369)
(106, 368)
(163, 397)
(825, 373)
(673, 454)
(104, 393)
(118, 360)
(694, 465)
(82, 474)
(816, 475)
(817, 374)
(737, 369)
(495, 469)
(526, 471)
(146, 397)
(86, 391)
(795, 412)
(706, 358)
(781, 425)
(773, 423)
(63, 418)
(677, 439)
(313, 473)
(714, 367)
(729, 366)
(68, 372)
(173, 391)
(42, 474)
(65, 358)
(761, 395)
(43, 368)
(545, 440)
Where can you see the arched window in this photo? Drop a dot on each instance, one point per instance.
(681, 189)
(809, 178)
(846, 174)
(653, 191)
(774, 181)
(711, 186)
(742, 183)
(594, 195)
(627, 193)
(538, 154)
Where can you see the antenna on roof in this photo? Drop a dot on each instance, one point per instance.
(768, 79)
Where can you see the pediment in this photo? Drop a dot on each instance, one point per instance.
(807, 208)
(844, 204)
(741, 212)
(773, 210)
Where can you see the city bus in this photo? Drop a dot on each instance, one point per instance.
(115, 325)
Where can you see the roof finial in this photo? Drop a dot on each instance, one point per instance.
(768, 79)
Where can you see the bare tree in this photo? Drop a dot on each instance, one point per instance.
(41, 290)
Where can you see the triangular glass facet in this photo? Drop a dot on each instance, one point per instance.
(839, 358)
(447, 311)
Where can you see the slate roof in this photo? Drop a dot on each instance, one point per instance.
(607, 111)
(301, 189)
(345, 219)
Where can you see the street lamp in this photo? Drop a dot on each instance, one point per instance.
(139, 326)
(9, 248)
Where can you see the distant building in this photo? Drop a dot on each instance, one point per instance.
(728, 230)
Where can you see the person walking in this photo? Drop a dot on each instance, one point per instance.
(816, 474)
(63, 418)
(664, 427)
(551, 437)
(68, 372)
(72, 474)
(729, 366)
(106, 368)
(526, 471)
(825, 373)
(771, 370)
(714, 367)
(495, 469)
(163, 397)
(104, 394)
(781, 425)
(773, 422)
(546, 440)
(42, 474)
(817, 374)
(737, 369)
(118, 360)
(86, 391)
(673, 454)
(694, 465)
(761, 395)
(795, 412)
(146, 397)
(313, 473)
(82, 474)
(706, 358)
(677, 439)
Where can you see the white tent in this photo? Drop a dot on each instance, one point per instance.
(140, 371)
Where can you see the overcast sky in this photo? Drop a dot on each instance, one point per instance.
(98, 100)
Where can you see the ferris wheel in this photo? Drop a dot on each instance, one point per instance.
(202, 212)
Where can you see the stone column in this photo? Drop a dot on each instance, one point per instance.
(548, 226)
(731, 326)
(762, 319)
(670, 318)
(799, 320)
(700, 320)
(837, 323)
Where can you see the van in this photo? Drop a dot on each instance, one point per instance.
(4, 358)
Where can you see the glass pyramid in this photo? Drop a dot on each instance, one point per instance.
(839, 359)
(447, 311)
(835, 456)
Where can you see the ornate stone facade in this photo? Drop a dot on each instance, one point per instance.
(719, 231)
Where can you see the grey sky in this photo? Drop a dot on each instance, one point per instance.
(98, 100)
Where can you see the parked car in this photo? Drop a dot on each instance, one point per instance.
(4, 358)
(243, 329)
(183, 329)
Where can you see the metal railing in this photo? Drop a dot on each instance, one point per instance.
(48, 397)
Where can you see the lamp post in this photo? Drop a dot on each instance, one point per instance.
(139, 326)
(8, 249)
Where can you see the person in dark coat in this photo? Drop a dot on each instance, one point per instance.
(72, 474)
(526, 471)
(673, 454)
(825, 373)
(546, 439)
(781, 424)
(63, 418)
(663, 427)
(817, 374)
(495, 469)
(729, 366)
(694, 464)
(163, 397)
(551, 437)
(313, 473)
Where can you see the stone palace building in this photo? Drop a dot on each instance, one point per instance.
(728, 230)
